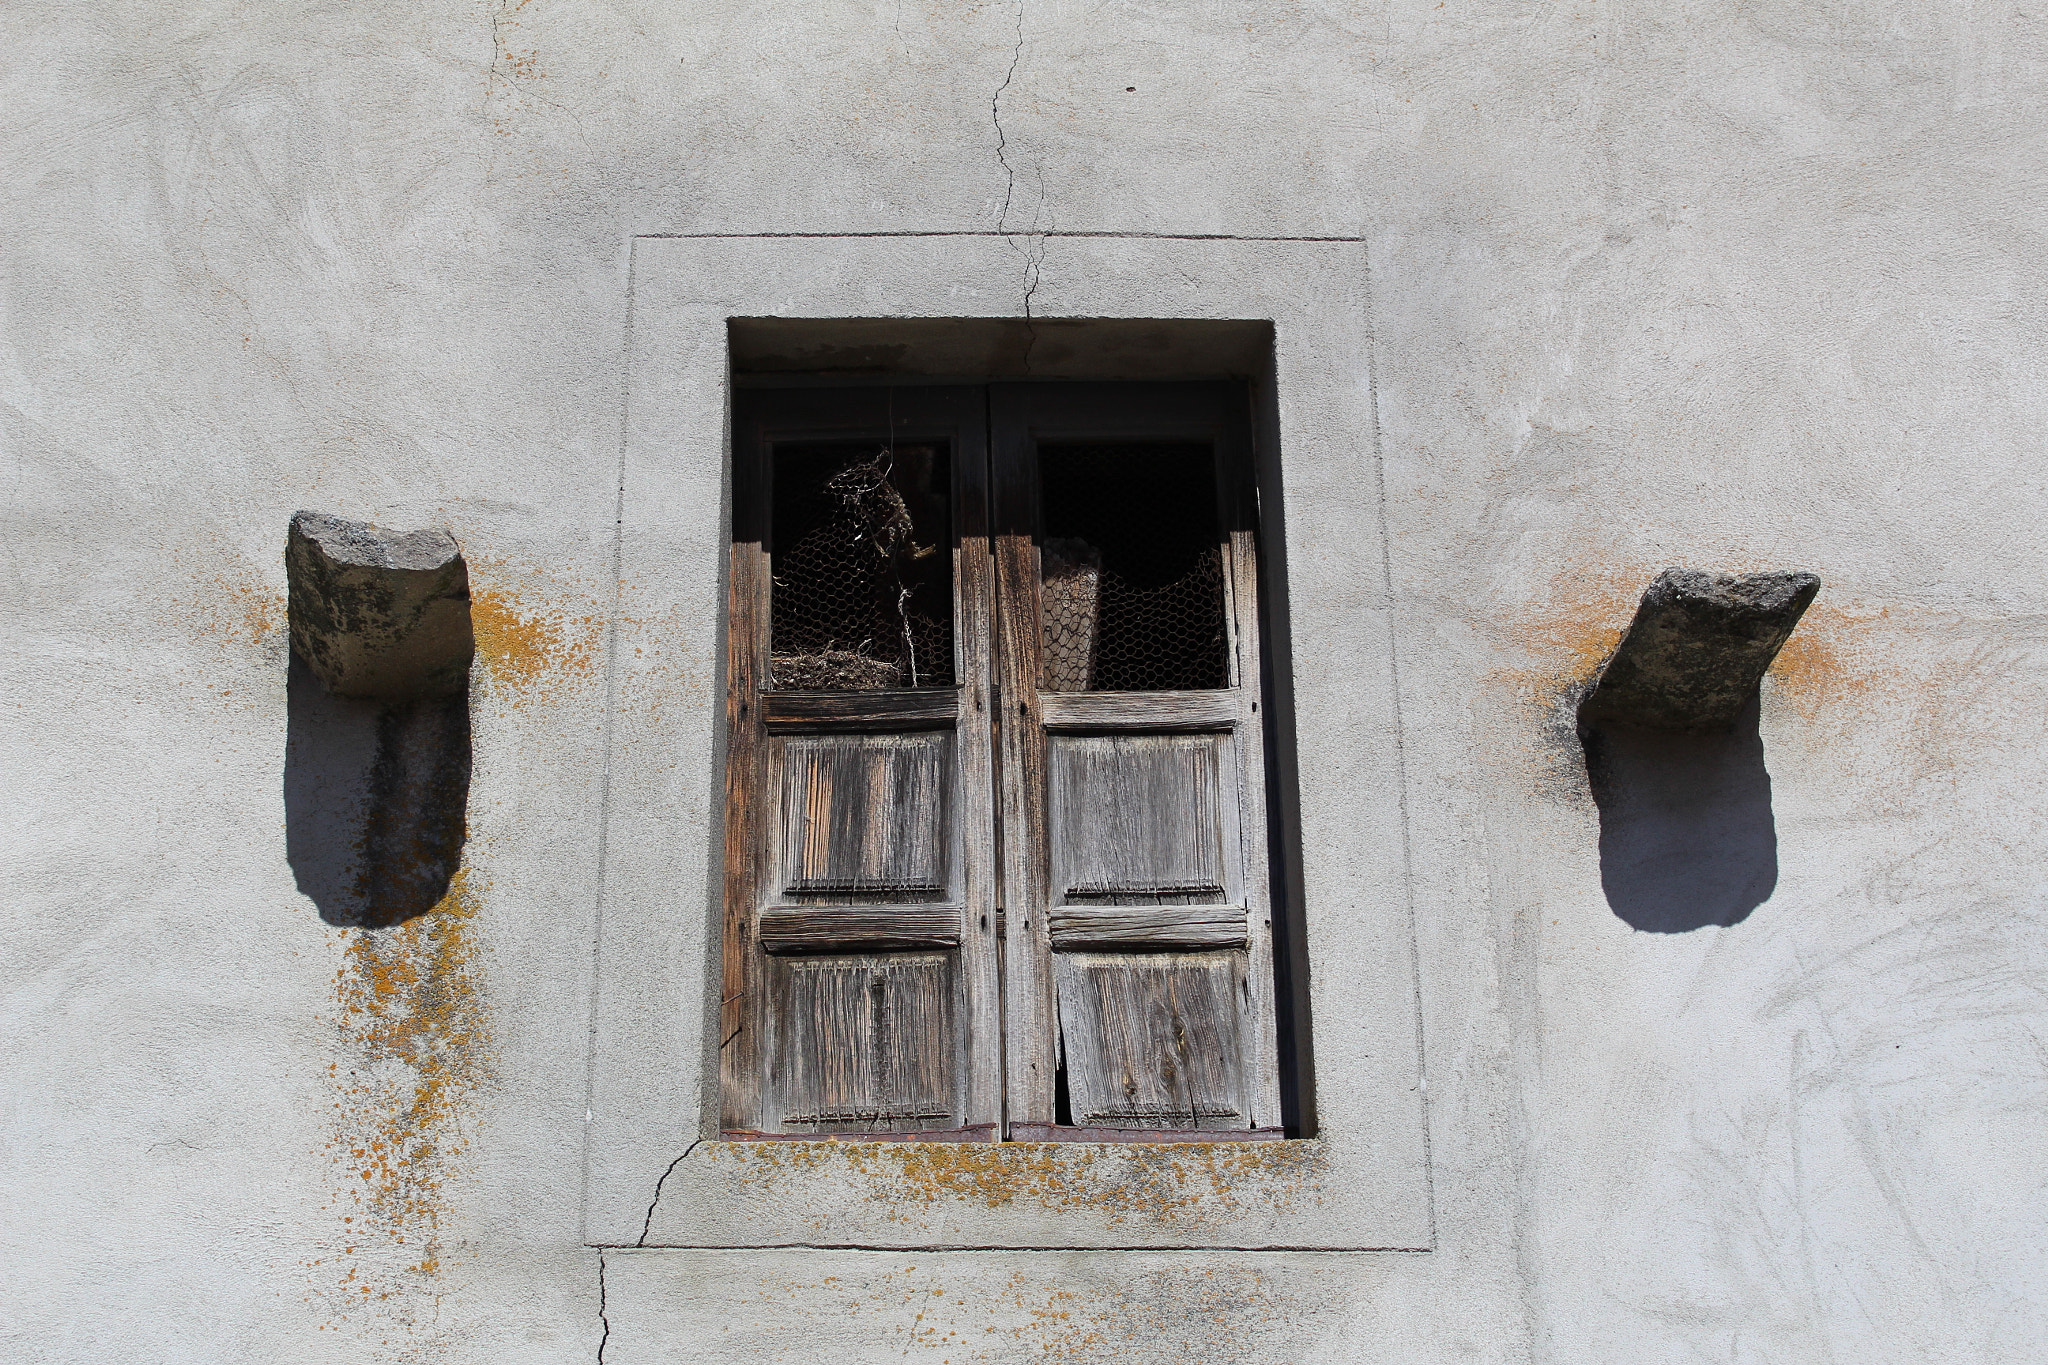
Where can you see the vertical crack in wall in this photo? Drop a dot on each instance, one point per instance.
(647, 1225)
(1034, 252)
(995, 113)
(604, 1336)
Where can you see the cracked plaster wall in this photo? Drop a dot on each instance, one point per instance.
(1729, 285)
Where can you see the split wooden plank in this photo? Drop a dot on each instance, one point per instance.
(908, 710)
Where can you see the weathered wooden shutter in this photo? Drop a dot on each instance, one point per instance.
(861, 972)
(1139, 990)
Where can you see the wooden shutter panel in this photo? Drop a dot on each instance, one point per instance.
(860, 954)
(1140, 946)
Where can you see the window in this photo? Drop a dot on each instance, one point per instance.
(995, 826)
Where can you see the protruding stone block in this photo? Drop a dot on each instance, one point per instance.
(379, 614)
(1697, 649)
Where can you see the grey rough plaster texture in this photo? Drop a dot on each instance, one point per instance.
(1703, 283)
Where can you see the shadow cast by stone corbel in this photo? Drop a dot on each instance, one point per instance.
(1673, 754)
(377, 749)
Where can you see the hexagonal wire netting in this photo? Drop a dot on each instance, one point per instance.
(1132, 571)
(861, 557)
(1132, 567)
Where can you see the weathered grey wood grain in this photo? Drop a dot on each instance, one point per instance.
(861, 1046)
(1137, 817)
(847, 928)
(1146, 927)
(743, 999)
(978, 872)
(1030, 1028)
(1141, 801)
(863, 711)
(979, 1132)
(873, 813)
(866, 815)
(1250, 830)
(1149, 711)
(1153, 1041)
(1147, 859)
(1053, 1132)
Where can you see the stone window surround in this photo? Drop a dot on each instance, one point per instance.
(654, 1174)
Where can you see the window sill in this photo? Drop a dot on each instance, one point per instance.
(1263, 1194)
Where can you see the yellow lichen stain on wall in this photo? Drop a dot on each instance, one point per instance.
(1832, 658)
(533, 652)
(512, 80)
(1896, 695)
(1207, 1313)
(415, 1027)
(1571, 635)
(253, 613)
(1162, 1184)
(220, 600)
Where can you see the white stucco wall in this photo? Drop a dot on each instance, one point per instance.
(1732, 286)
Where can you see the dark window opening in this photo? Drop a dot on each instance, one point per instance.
(1132, 565)
(861, 597)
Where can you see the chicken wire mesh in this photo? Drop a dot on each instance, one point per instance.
(1131, 568)
(860, 556)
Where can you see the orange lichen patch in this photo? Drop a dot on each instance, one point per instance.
(1897, 696)
(254, 613)
(1833, 657)
(1568, 637)
(1206, 1313)
(510, 81)
(219, 595)
(1158, 1183)
(1563, 643)
(412, 1017)
(525, 649)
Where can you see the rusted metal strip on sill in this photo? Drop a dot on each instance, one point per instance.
(980, 1132)
(790, 929)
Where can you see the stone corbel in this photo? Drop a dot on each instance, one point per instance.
(379, 615)
(1697, 650)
